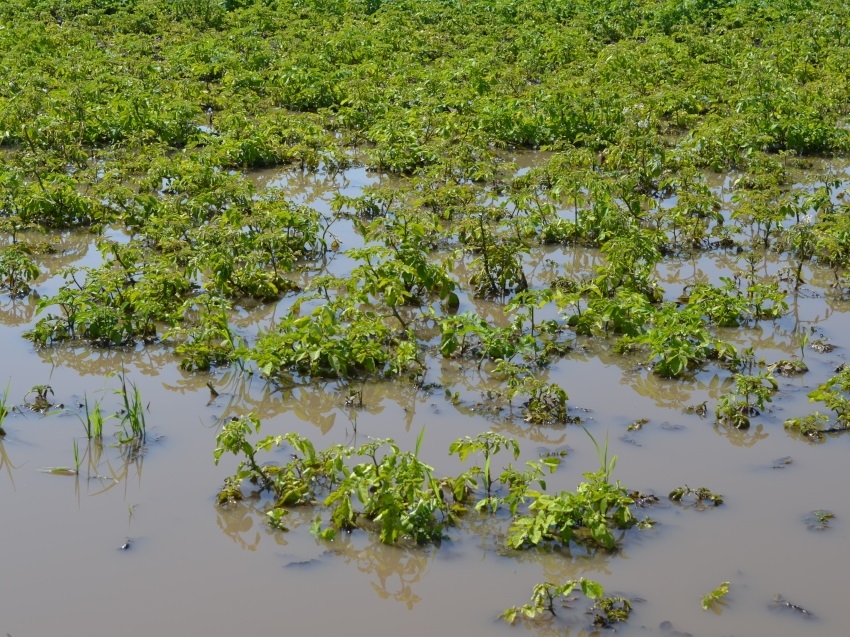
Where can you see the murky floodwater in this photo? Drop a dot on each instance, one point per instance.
(194, 568)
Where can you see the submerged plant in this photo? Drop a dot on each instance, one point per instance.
(818, 520)
(608, 611)
(750, 396)
(40, 403)
(701, 496)
(545, 595)
(715, 597)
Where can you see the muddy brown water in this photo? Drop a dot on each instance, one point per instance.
(194, 568)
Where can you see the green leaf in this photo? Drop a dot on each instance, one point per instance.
(591, 589)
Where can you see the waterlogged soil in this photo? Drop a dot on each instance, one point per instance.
(135, 544)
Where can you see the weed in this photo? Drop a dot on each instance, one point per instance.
(94, 420)
(132, 416)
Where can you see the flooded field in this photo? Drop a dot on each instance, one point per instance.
(386, 317)
(132, 541)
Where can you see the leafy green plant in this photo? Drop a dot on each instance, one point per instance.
(678, 341)
(207, 339)
(547, 402)
(751, 394)
(487, 444)
(398, 493)
(834, 394)
(516, 482)
(588, 516)
(336, 340)
(810, 426)
(392, 491)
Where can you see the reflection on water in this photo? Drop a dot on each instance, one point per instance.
(243, 522)
(393, 571)
(6, 464)
(16, 312)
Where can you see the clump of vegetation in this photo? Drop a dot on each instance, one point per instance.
(545, 595)
(588, 516)
(391, 490)
(395, 493)
(700, 496)
(40, 402)
(810, 427)
(752, 393)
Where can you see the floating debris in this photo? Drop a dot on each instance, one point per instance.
(818, 520)
(781, 463)
(781, 603)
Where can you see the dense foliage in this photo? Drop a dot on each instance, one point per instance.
(139, 119)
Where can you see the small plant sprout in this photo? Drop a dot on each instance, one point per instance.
(606, 467)
(93, 421)
(751, 394)
(133, 426)
(715, 598)
(802, 341)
